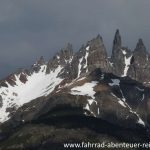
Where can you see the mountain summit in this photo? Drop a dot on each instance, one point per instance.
(75, 91)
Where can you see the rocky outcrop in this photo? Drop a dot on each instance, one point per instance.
(98, 57)
(134, 64)
(37, 66)
(140, 68)
(62, 58)
(121, 56)
(90, 57)
(117, 44)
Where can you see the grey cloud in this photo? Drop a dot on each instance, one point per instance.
(31, 28)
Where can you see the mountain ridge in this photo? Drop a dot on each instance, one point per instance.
(114, 89)
(67, 65)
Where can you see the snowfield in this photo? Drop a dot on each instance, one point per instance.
(38, 84)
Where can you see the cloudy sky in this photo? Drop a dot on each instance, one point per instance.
(31, 28)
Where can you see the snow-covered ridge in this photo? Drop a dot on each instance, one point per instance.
(37, 85)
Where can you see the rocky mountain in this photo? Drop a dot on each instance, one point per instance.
(121, 57)
(134, 64)
(76, 95)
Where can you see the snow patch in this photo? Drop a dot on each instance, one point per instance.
(58, 57)
(86, 89)
(115, 82)
(87, 107)
(122, 103)
(90, 101)
(98, 111)
(86, 56)
(86, 62)
(124, 51)
(147, 57)
(127, 64)
(140, 121)
(80, 66)
(70, 60)
(111, 64)
(87, 48)
(123, 98)
(119, 100)
(142, 90)
(80, 79)
(143, 97)
(102, 76)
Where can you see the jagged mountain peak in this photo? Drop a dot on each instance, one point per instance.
(66, 52)
(85, 80)
(37, 66)
(62, 58)
(41, 61)
(140, 45)
(38, 63)
(130, 63)
(117, 42)
(95, 43)
(64, 67)
(141, 55)
(139, 70)
(92, 55)
(118, 54)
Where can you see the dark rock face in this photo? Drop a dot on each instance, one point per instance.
(97, 55)
(140, 68)
(117, 44)
(23, 78)
(63, 58)
(134, 95)
(11, 79)
(119, 56)
(90, 57)
(1, 101)
(52, 132)
(134, 64)
(37, 66)
(41, 61)
(120, 62)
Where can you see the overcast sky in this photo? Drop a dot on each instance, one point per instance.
(31, 28)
